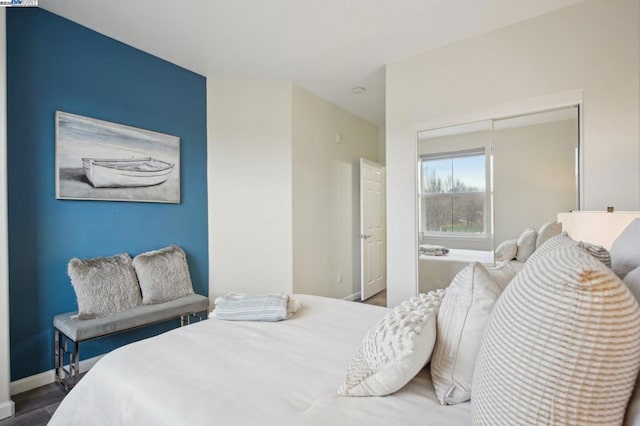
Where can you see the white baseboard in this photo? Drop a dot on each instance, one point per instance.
(45, 378)
(352, 297)
(7, 409)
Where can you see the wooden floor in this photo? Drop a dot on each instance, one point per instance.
(379, 299)
(35, 407)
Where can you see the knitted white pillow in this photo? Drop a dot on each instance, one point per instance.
(461, 319)
(562, 346)
(395, 349)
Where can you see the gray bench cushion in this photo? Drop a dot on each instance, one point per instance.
(79, 330)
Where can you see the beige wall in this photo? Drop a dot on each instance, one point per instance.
(283, 194)
(534, 176)
(593, 46)
(250, 195)
(6, 405)
(382, 152)
(326, 203)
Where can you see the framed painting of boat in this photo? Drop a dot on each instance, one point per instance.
(100, 160)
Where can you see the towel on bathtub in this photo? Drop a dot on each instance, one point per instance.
(431, 250)
(244, 307)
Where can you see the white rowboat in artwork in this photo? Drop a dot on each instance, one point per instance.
(105, 173)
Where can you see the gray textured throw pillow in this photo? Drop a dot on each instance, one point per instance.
(104, 285)
(163, 275)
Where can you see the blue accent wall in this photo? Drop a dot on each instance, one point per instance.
(55, 64)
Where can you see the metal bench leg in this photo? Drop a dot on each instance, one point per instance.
(67, 377)
(186, 318)
(57, 355)
(76, 363)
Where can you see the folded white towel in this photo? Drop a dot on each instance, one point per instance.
(432, 250)
(243, 307)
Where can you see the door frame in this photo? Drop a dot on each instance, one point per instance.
(362, 162)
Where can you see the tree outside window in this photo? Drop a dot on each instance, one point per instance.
(453, 192)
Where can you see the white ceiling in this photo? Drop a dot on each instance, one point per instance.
(327, 47)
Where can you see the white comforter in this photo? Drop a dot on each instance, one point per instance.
(250, 373)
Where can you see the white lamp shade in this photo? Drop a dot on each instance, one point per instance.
(599, 228)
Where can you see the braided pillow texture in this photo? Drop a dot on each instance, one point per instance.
(562, 346)
(395, 349)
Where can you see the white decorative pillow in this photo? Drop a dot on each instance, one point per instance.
(632, 416)
(526, 244)
(507, 250)
(562, 346)
(632, 281)
(548, 230)
(504, 272)
(563, 240)
(103, 285)
(599, 252)
(625, 255)
(395, 349)
(464, 311)
(163, 275)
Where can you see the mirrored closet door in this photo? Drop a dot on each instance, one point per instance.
(486, 182)
(535, 170)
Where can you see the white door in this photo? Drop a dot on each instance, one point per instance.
(373, 247)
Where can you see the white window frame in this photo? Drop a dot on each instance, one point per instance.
(461, 236)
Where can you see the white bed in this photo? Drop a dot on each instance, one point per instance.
(250, 373)
(436, 272)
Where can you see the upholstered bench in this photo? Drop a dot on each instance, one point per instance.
(69, 331)
(116, 294)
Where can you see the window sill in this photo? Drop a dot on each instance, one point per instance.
(455, 237)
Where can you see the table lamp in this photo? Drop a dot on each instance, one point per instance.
(596, 227)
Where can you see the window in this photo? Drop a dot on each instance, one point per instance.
(452, 192)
